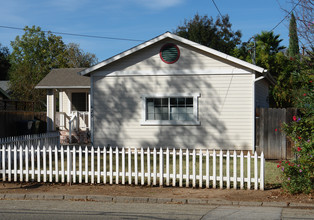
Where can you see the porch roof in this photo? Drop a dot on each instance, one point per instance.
(64, 78)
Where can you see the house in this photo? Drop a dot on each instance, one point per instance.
(4, 90)
(166, 92)
(70, 92)
(172, 92)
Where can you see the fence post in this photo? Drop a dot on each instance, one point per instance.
(262, 171)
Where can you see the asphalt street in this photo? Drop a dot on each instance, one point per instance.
(56, 209)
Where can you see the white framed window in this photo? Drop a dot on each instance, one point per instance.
(170, 109)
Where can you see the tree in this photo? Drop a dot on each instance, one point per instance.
(4, 62)
(293, 38)
(76, 57)
(33, 56)
(217, 35)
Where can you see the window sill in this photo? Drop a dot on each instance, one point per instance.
(169, 123)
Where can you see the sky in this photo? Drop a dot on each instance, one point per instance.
(134, 19)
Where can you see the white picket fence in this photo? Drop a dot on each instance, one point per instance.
(51, 138)
(176, 167)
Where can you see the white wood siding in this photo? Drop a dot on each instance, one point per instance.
(225, 104)
(225, 111)
(261, 94)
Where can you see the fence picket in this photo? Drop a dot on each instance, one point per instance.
(26, 164)
(248, 170)
(74, 164)
(187, 161)
(241, 170)
(62, 164)
(262, 172)
(155, 167)
(214, 170)
(56, 164)
(174, 168)
(142, 167)
(69, 165)
(38, 165)
(255, 171)
(50, 163)
(3, 162)
(194, 168)
(207, 169)
(228, 169)
(180, 168)
(105, 165)
(21, 163)
(130, 166)
(148, 167)
(86, 165)
(123, 166)
(135, 166)
(201, 169)
(221, 169)
(15, 163)
(110, 166)
(161, 168)
(44, 164)
(117, 165)
(92, 167)
(98, 165)
(235, 170)
(167, 167)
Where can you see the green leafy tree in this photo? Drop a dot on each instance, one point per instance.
(214, 34)
(76, 57)
(293, 38)
(4, 62)
(34, 55)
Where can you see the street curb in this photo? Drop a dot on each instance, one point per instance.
(129, 199)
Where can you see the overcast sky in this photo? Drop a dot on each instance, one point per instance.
(133, 19)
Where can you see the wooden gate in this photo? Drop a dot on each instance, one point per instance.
(270, 137)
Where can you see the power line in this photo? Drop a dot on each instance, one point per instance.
(217, 8)
(78, 35)
(285, 16)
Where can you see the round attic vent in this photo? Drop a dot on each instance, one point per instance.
(169, 53)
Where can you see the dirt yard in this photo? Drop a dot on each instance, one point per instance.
(157, 192)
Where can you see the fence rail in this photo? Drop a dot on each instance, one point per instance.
(176, 167)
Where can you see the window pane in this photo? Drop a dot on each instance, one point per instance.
(173, 101)
(181, 101)
(79, 102)
(157, 102)
(189, 110)
(164, 101)
(189, 101)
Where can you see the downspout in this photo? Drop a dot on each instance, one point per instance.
(254, 105)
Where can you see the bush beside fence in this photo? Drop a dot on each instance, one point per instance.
(176, 167)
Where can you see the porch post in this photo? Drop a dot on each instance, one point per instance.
(51, 110)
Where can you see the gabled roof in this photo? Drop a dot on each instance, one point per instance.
(64, 78)
(4, 89)
(169, 35)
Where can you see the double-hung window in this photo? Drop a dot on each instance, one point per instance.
(80, 101)
(170, 109)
